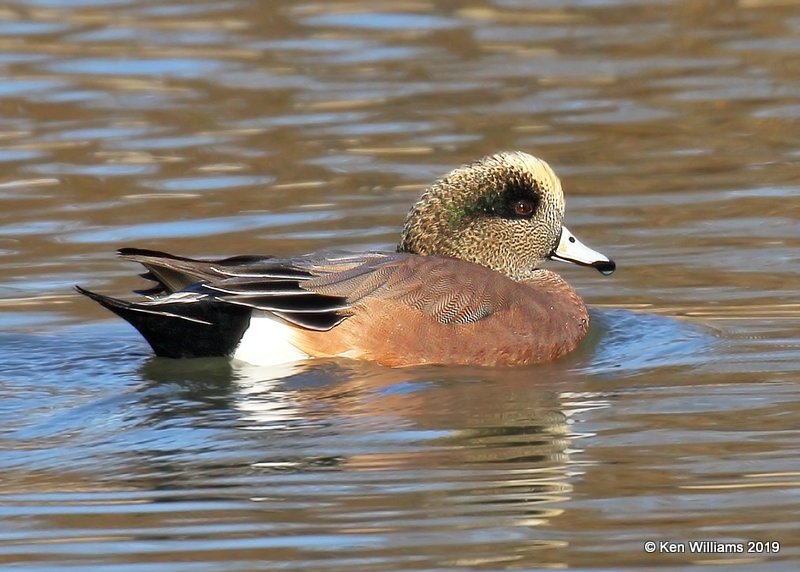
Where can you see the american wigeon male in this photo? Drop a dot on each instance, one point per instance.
(466, 285)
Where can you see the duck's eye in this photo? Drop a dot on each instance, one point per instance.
(523, 207)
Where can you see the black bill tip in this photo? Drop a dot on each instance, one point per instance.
(605, 267)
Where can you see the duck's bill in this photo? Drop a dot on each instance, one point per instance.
(570, 249)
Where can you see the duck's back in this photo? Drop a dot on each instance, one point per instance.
(438, 310)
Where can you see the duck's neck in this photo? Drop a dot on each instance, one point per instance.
(549, 283)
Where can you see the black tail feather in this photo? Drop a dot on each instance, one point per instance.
(177, 330)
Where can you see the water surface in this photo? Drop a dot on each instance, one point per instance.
(216, 128)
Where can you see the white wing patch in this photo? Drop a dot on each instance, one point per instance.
(267, 341)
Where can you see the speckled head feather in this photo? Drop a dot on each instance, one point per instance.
(504, 212)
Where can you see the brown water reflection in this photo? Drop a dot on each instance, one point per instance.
(211, 128)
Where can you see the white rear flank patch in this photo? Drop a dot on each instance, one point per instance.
(267, 341)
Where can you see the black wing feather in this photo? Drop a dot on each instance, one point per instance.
(202, 307)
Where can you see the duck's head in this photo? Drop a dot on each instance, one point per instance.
(504, 212)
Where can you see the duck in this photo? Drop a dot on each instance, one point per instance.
(465, 286)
